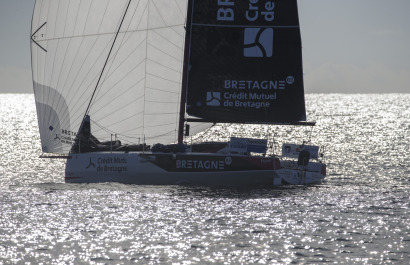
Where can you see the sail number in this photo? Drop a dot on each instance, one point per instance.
(226, 13)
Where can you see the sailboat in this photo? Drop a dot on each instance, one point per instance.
(119, 84)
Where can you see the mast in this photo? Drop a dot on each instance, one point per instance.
(185, 70)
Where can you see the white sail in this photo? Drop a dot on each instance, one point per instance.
(139, 91)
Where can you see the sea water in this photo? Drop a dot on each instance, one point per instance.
(360, 215)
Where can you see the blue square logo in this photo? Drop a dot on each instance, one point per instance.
(213, 99)
(258, 42)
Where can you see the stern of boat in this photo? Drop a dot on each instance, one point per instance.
(299, 165)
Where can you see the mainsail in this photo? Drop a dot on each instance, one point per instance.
(245, 62)
(139, 92)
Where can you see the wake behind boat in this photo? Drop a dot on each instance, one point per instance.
(146, 72)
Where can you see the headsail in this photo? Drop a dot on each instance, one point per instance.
(245, 62)
(140, 88)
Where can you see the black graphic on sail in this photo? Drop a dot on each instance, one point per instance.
(245, 62)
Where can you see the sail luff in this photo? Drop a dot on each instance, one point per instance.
(185, 73)
(145, 73)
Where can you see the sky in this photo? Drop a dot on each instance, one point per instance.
(349, 46)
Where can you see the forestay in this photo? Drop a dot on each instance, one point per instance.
(139, 91)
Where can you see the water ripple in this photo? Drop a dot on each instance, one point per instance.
(358, 216)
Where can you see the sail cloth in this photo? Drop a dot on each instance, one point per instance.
(139, 92)
(245, 62)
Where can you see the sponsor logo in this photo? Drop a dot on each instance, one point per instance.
(91, 164)
(245, 100)
(200, 164)
(109, 164)
(66, 136)
(248, 145)
(258, 85)
(290, 80)
(213, 99)
(258, 42)
(226, 12)
(248, 93)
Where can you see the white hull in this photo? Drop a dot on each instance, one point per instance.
(297, 177)
(176, 169)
